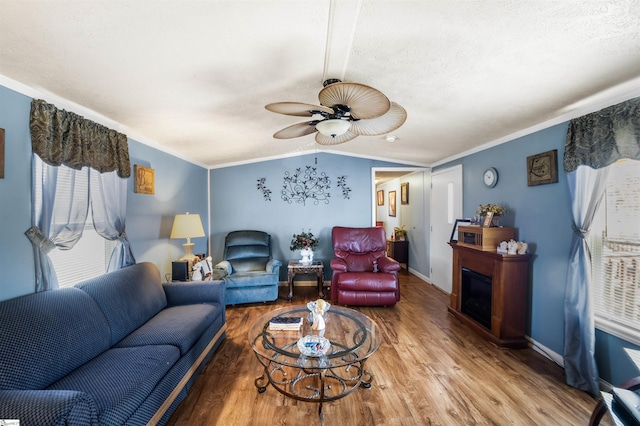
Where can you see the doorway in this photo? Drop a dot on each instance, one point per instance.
(410, 211)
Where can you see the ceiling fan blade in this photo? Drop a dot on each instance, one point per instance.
(297, 108)
(328, 140)
(364, 101)
(295, 131)
(381, 125)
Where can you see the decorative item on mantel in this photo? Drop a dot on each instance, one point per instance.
(306, 242)
(512, 247)
(496, 209)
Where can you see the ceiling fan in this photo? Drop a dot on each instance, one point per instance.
(346, 111)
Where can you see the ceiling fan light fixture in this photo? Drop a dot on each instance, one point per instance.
(333, 127)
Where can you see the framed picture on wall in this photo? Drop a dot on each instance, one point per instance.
(392, 203)
(542, 168)
(381, 197)
(404, 193)
(144, 180)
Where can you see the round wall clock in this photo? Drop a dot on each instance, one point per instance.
(490, 177)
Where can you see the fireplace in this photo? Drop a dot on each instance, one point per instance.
(476, 297)
(489, 293)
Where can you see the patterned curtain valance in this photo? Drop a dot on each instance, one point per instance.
(62, 137)
(604, 137)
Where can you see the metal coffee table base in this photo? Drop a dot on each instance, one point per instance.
(313, 385)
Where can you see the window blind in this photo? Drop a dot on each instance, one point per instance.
(616, 254)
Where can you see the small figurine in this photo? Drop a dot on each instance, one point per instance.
(318, 321)
(512, 247)
(197, 273)
(502, 248)
(202, 270)
(522, 247)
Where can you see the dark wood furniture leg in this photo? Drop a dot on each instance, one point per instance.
(291, 275)
(321, 283)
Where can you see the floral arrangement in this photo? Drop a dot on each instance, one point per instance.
(304, 240)
(495, 208)
(399, 233)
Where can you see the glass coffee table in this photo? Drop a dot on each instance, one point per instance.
(301, 364)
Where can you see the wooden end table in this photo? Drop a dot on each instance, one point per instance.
(315, 267)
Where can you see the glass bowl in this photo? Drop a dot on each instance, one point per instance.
(313, 345)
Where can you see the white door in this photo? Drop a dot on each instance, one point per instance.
(446, 207)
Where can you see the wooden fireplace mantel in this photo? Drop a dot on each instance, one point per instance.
(509, 289)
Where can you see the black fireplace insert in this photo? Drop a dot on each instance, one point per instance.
(476, 297)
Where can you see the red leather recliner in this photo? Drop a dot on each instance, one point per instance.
(362, 273)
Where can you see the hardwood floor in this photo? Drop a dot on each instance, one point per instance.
(431, 369)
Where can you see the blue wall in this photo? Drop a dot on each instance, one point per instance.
(16, 254)
(542, 217)
(236, 203)
(180, 186)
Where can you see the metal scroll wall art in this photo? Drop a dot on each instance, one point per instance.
(307, 184)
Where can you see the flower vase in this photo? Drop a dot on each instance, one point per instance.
(494, 221)
(307, 256)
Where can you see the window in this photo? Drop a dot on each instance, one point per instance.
(615, 249)
(90, 256)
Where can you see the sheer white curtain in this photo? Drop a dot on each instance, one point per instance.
(59, 211)
(594, 141)
(586, 186)
(61, 199)
(108, 194)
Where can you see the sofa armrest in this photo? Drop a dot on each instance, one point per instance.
(191, 293)
(273, 265)
(224, 265)
(339, 265)
(50, 407)
(387, 264)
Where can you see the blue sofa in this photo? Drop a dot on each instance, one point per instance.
(119, 349)
(252, 274)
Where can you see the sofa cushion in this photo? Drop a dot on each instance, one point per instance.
(180, 326)
(48, 407)
(46, 335)
(250, 279)
(367, 281)
(120, 379)
(128, 297)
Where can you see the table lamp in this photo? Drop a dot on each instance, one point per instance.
(187, 226)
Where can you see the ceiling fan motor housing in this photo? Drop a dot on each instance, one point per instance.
(331, 81)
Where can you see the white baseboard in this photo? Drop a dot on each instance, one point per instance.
(545, 351)
(419, 275)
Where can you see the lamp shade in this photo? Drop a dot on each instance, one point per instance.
(187, 226)
(334, 127)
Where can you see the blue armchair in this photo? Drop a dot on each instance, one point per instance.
(252, 275)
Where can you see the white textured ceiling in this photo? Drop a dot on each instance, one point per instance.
(193, 77)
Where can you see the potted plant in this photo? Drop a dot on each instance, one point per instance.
(496, 209)
(399, 233)
(306, 242)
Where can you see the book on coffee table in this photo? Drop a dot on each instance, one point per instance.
(285, 323)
